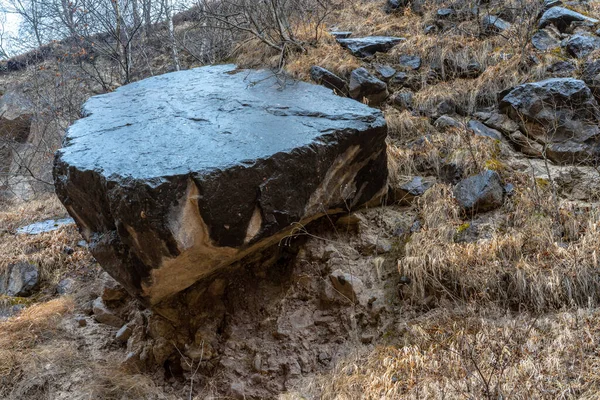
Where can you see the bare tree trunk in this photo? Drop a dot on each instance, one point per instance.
(172, 41)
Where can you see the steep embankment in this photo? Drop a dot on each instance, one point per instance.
(486, 262)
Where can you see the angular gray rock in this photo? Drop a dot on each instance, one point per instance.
(446, 122)
(174, 178)
(328, 79)
(544, 41)
(368, 46)
(404, 100)
(562, 69)
(19, 280)
(560, 113)
(410, 62)
(385, 71)
(494, 24)
(105, 316)
(480, 193)
(481, 130)
(562, 18)
(445, 13)
(394, 5)
(407, 192)
(365, 85)
(347, 285)
(581, 45)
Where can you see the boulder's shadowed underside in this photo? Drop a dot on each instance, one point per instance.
(175, 177)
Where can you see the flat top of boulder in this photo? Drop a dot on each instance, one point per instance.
(205, 119)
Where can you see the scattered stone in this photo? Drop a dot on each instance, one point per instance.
(481, 130)
(82, 243)
(509, 189)
(44, 226)
(81, 321)
(124, 333)
(328, 79)
(366, 339)
(407, 192)
(526, 145)
(368, 46)
(501, 122)
(544, 41)
(561, 113)
(400, 79)
(430, 29)
(111, 290)
(404, 100)
(394, 5)
(137, 193)
(68, 250)
(562, 18)
(19, 280)
(340, 34)
(480, 193)
(103, 315)
(494, 24)
(446, 122)
(563, 69)
(385, 71)
(65, 286)
(346, 285)
(410, 62)
(365, 85)
(445, 13)
(551, 3)
(580, 46)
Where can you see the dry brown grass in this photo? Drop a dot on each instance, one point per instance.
(47, 250)
(470, 354)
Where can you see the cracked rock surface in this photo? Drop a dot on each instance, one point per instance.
(174, 178)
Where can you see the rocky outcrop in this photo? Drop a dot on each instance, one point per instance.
(368, 46)
(562, 18)
(561, 114)
(176, 177)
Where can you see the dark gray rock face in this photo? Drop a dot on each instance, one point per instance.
(173, 178)
(328, 79)
(410, 62)
(562, 69)
(408, 191)
(591, 76)
(365, 85)
(562, 18)
(481, 130)
(480, 193)
(385, 71)
(19, 280)
(404, 100)
(394, 5)
(494, 24)
(560, 113)
(551, 3)
(544, 41)
(368, 46)
(446, 122)
(580, 46)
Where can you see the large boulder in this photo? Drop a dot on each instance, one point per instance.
(562, 18)
(174, 178)
(561, 114)
(368, 46)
